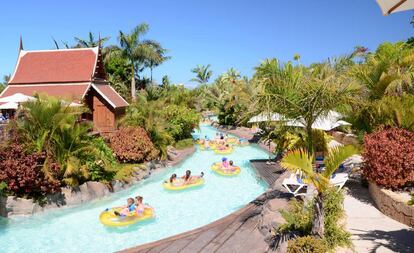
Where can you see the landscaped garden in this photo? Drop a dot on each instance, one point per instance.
(49, 148)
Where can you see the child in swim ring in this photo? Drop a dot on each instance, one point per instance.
(224, 163)
(130, 207)
(231, 166)
(188, 179)
(174, 180)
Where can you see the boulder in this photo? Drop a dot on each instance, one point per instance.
(117, 185)
(97, 189)
(19, 206)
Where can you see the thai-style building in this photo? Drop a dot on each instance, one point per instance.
(75, 75)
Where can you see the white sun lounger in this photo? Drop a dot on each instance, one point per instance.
(293, 186)
(339, 180)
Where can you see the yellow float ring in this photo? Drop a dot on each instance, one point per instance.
(216, 167)
(227, 151)
(168, 186)
(109, 218)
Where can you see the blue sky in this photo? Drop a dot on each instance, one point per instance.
(223, 33)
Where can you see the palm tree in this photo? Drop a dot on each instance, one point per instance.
(156, 57)
(137, 52)
(302, 160)
(231, 75)
(302, 94)
(203, 74)
(90, 41)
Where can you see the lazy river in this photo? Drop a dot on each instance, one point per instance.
(79, 230)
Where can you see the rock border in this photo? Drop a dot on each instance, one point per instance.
(392, 206)
(88, 191)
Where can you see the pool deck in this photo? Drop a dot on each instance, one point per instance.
(233, 233)
(224, 235)
(269, 171)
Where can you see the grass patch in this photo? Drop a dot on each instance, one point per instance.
(182, 144)
(125, 171)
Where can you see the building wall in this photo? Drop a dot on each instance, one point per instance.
(104, 117)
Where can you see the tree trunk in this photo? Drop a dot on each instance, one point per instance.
(309, 138)
(133, 88)
(151, 74)
(318, 223)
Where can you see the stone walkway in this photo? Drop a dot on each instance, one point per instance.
(371, 230)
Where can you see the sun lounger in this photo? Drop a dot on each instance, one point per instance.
(339, 180)
(294, 185)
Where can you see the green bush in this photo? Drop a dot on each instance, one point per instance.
(335, 233)
(299, 219)
(182, 144)
(307, 244)
(182, 120)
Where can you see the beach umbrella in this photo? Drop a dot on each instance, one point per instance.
(327, 122)
(16, 98)
(9, 105)
(391, 6)
(265, 117)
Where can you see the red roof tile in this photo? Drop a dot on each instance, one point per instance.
(109, 94)
(71, 92)
(55, 66)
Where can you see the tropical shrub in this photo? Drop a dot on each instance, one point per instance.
(181, 119)
(307, 244)
(389, 157)
(182, 144)
(24, 174)
(49, 126)
(299, 218)
(132, 145)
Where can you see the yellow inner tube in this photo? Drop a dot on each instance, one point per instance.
(217, 167)
(211, 145)
(197, 182)
(228, 150)
(108, 218)
(232, 140)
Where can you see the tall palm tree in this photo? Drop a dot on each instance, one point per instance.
(203, 74)
(156, 55)
(90, 41)
(136, 50)
(302, 160)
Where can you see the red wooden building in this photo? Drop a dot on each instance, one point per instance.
(76, 75)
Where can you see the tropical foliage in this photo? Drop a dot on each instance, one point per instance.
(299, 217)
(302, 160)
(21, 173)
(132, 145)
(167, 113)
(389, 158)
(203, 74)
(50, 127)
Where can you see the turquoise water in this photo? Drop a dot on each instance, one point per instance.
(79, 230)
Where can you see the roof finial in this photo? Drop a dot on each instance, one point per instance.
(21, 44)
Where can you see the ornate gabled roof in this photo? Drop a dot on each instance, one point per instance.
(58, 66)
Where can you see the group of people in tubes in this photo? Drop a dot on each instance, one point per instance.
(137, 205)
(220, 141)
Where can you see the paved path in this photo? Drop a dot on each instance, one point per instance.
(371, 230)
